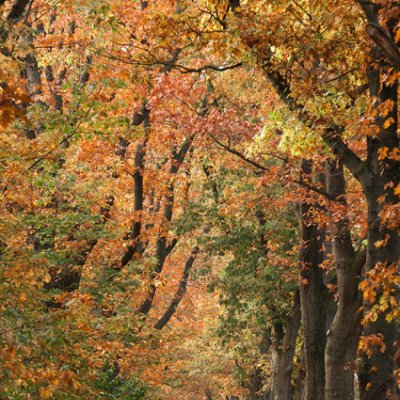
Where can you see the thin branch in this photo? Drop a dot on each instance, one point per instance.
(336, 78)
(316, 189)
(303, 9)
(171, 246)
(65, 139)
(238, 154)
(218, 68)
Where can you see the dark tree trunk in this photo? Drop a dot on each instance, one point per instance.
(313, 299)
(141, 117)
(68, 278)
(17, 10)
(284, 348)
(345, 329)
(298, 393)
(162, 247)
(33, 75)
(376, 374)
(257, 375)
(179, 293)
(256, 385)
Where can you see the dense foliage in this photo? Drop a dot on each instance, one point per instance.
(199, 199)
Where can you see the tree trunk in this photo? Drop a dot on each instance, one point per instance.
(298, 393)
(284, 348)
(179, 293)
(313, 299)
(141, 117)
(162, 247)
(345, 328)
(17, 10)
(376, 374)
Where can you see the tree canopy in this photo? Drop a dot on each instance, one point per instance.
(199, 199)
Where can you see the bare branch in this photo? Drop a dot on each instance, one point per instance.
(179, 293)
(238, 154)
(316, 189)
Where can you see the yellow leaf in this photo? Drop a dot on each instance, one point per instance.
(54, 381)
(397, 37)
(388, 122)
(45, 392)
(383, 153)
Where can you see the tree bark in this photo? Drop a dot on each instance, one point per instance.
(298, 393)
(378, 178)
(284, 348)
(313, 299)
(162, 247)
(17, 10)
(376, 374)
(142, 117)
(345, 329)
(179, 293)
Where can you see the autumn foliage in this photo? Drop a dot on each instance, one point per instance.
(199, 199)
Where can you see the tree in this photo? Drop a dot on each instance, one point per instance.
(222, 166)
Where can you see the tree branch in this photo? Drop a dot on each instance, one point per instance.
(214, 186)
(17, 10)
(357, 167)
(385, 43)
(179, 293)
(171, 246)
(316, 189)
(238, 154)
(331, 135)
(161, 245)
(137, 175)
